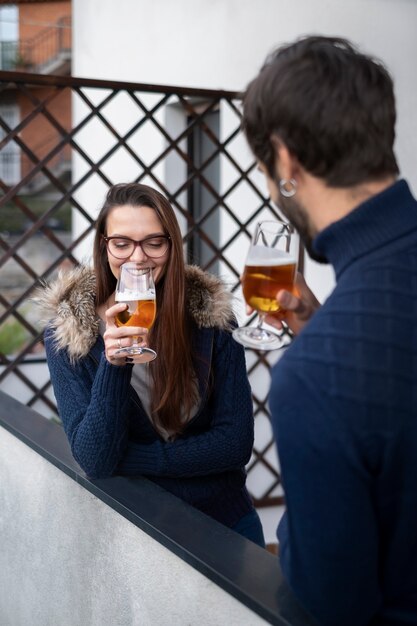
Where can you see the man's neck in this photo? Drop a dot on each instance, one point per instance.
(327, 205)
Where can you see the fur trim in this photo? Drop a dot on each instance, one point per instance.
(208, 302)
(69, 302)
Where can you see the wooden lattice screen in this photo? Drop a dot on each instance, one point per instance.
(63, 142)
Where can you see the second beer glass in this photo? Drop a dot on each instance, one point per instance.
(271, 265)
(136, 288)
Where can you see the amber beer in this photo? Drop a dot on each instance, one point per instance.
(139, 312)
(264, 276)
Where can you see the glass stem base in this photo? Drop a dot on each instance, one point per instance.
(139, 354)
(260, 339)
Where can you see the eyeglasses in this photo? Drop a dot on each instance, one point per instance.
(124, 247)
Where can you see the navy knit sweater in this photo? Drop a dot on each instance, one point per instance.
(110, 433)
(344, 405)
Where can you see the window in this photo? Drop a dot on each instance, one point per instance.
(8, 36)
(10, 154)
(202, 194)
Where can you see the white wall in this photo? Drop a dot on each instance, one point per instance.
(67, 559)
(221, 44)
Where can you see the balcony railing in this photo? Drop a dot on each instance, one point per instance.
(50, 47)
(187, 143)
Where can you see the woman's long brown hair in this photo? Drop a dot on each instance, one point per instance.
(174, 391)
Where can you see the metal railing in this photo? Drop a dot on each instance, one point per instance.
(185, 142)
(14, 165)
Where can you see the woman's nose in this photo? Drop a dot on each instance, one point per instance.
(138, 254)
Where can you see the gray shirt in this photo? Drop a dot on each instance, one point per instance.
(142, 383)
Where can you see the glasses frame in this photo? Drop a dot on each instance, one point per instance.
(136, 242)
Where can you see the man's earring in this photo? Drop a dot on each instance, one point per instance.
(287, 187)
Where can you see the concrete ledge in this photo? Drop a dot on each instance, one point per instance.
(236, 566)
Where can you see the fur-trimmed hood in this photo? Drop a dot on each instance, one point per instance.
(69, 302)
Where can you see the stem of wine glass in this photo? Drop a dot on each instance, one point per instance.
(261, 318)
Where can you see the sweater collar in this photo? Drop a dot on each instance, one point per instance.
(385, 217)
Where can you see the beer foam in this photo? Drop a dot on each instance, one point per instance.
(129, 295)
(263, 256)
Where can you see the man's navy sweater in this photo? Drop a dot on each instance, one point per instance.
(344, 405)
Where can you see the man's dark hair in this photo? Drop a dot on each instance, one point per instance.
(333, 107)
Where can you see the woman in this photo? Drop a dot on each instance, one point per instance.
(183, 420)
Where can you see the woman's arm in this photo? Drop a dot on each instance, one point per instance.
(92, 404)
(228, 442)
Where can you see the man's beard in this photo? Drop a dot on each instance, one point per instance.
(297, 215)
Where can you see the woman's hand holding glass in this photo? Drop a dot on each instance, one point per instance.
(129, 320)
(136, 290)
(118, 337)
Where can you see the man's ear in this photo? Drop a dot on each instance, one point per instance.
(286, 164)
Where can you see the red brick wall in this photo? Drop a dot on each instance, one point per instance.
(41, 12)
(40, 21)
(40, 135)
(37, 20)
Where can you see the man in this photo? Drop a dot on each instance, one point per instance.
(320, 119)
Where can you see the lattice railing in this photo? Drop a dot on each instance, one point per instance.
(185, 142)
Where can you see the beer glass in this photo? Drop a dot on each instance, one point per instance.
(136, 288)
(271, 265)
